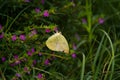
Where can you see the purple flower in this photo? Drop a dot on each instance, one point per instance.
(42, 1)
(26, 70)
(56, 29)
(18, 75)
(23, 59)
(37, 10)
(3, 59)
(40, 54)
(22, 37)
(47, 30)
(34, 62)
(101, 20)
(29, 53)
(0, 26)
(46, 13)
(33, 32)
(74, 47)
(15, 56)
(39, 76)
(12, 64)
(33, 50)
(14, 37)
(47, 62)
(74, 55)
(1, 35)
(84, 20)
(26, 0)
(17, 61)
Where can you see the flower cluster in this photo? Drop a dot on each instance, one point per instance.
(30, 52)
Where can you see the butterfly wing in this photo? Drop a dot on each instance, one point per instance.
(62, 43)
(51, 42)
(57, 42)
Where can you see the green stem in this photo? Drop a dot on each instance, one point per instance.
(83, 68)
(89, 18)
(112, 62)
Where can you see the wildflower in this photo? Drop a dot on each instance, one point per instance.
(22, 37)
(26, 70)
(40, 54)
(101, 20)
(18, 75)
(84, 20)
(74, 55)
(33, 32)
(47, 30)
(37, 10)
(34, 62)
(46, 13)
(1, 35)
(42, 1)
(0, 26)
(12, 64)
(3, 59)
(23, 59)
(56, 29)
(46, 62)
(17, 61)
(15, 56)
(39, 76)
(32, 50)
(74, 47)
(29, 53)
(14, 37)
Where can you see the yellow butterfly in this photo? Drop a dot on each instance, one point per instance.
(57, 42)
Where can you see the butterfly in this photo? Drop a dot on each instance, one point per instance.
(57, 42)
